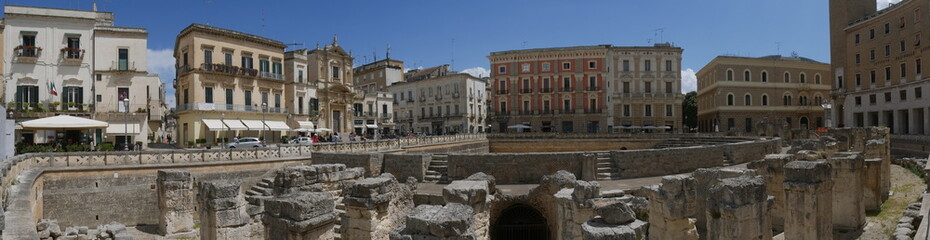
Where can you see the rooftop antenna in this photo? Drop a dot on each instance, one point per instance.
(387, 55)
(794, 54)
(778, 47)
(263, 17)
(374, 56)
(524, 44)
(452, 65)
(294, 44)
(659, 32)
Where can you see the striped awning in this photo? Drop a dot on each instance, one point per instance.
(234, 124)
(214, 124)
(277, 126)
(254, 125)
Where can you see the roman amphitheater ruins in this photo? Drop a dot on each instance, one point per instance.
(526, 186)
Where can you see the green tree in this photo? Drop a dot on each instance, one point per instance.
(689, 110)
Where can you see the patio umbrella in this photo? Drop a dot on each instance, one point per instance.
(63, 122)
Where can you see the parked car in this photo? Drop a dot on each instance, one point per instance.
(301, 140)
(246, 142)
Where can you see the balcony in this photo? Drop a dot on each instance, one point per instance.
(547, 112)
(227, 69)
(568, 111)
(27, 54)
(502, 92)
(386, 115)
(270, 75)
(228, 107)
(593, 89)
(567, 89)
(526, 90)
(650, 95)
(593, 111)
(545, 90)
(123, 66)
(72, 56)
(410, 100)
(526, 113)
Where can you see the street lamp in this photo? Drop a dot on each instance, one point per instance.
(126, 124)
(264, 108)
(828, 113)
(223, 117)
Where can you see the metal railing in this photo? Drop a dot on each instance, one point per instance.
(271, 75)
(502, 92)
(566, 89)
(228, 107)
(72, 53)
(27, 51)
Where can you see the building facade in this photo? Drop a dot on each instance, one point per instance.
(737, 93)
(379, 75)
(446, 104)
(589, 89)
(228, 84)
(330, 69)
(300, 91)
(876, 62)
(78, 63)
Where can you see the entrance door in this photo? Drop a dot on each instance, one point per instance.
(337, 121)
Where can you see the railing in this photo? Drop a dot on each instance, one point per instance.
(386, 115)
(593, 89)
(566, 89)
(502, 92)
(271, 75)
(526, 112)
(545, 90)
(526, 90)
(28, 51)
(123, 66)
(650, 95)
(593, 110)
(227, 107)
(409, 100)
(569, 111)
(72, 53)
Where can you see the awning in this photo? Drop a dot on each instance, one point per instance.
(254, 125)
(124, 128)
(519, 126)
(63, 122)
(277, 126)
(371, 126)
(214, 124)
(323, 130)
(306, 124)
(234, 124)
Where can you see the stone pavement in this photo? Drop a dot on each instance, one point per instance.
(521, 189)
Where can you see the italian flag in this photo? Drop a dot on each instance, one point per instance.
(51, 89)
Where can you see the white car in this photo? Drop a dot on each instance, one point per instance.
(301, 140)
(246, 142)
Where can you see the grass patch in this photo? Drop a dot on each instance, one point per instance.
(916, 171)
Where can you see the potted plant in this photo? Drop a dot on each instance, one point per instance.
(39, 107)
(11, 105)
(71, 105)
(90, 107)
(55, 105)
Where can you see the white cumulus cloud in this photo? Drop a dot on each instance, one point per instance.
(884, 3)
(478, 72)
(161, 62)
(688, 81)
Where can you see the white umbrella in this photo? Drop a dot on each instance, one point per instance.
(301, 130)
(63, 122)
(323, 130)
(519, 126)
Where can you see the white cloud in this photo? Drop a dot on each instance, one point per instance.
(408, 69)
(161, 62)
(688, 81)
(478, 72)
(884, 3)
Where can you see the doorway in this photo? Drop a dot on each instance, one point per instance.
(520, 222)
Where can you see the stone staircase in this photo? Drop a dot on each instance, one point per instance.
(606, 169)
(262, 189)
(438, 170)
(695, 141)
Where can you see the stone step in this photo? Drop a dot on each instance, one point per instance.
(605, 164)
(253, 193)
(603, 158)
(439, 162)
(605, 170)
(608, 175)
(265, 184)
(438, 167)
(432, 172)
(432, 178)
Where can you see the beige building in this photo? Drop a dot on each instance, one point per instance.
(589, 89)
(300, 91)
(876, 60)
(330, 69)
(375, 113)
(379, 75)
(228, 84)
(446, 104)
(737, 93)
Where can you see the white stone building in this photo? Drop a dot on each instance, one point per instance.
(374, 114)
(452, 103)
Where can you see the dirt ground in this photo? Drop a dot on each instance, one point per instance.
(906, 187)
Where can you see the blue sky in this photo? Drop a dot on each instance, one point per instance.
(421, 32)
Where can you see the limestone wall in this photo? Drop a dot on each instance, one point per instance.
(568, 145)
(371, 162)
(512, 168)
(910, 145)
(403, 166)
(658, 162)
(480, 146)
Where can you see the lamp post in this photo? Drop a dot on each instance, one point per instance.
(223, 117)
(828, 113)
(126, 124)
(262, 133)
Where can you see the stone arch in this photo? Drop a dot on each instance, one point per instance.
(520, 221)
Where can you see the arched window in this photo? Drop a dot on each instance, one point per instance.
(817, 100)
(817, 79)
(765, 76)
(787, 77)
(802, 101)
(803, 78)
(746, 76)
(747, 100)
(729, 75)
(786, 100)
(729, 99)
(765, 100)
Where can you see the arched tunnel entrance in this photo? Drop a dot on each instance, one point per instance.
(520, 222)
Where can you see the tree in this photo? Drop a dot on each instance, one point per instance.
(689, 110)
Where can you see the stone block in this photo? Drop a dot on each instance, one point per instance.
(174, 175)
(440, 221)
(808, 211)
(807, 171)
(294, 177)
(561, 179)
(368, 187)
(585, 190)
(300, 206)
(597, 229)
(615, 213)
(219, 189)
(466, 192)
(230, 218)
(484, 177)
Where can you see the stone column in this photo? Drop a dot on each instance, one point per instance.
(926, 122)
(668, 209)
(704, 178)
(475, 194)
(175, 201)
(848, 169)
(367, 205)
(222, 212)
(452, 221)
(772, 170)
(872, 184)
(300, 216)
(880, 148)
(738, 209)
(616, 221)
(912, 124)
(808, 200)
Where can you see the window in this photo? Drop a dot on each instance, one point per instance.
(887, 73)
(265, 98)
(566, 66)
(858, 79)
(592, 82)
(817, 79)
(648, 88)
(668, 110)
(765, 100)
(746, 76)
(247, 63)
(592, 64)
(123, 61)
(501, 69)
(300, 76)
(917, 66)
(276, 68)
(903, 70)
(648, 65)
(872, 76)
(765, 76)
(186, 95)
(626, 87)
(228, 58)
(208, 94)
(916, 15)
(122, 96)
(648, 112)
(747, 100)
(626, 65)
(888, 97)
(502, 87)
(277, 100)
(99, 98)
(729, 99)
(903, 95)
(74, 44)
(858, 101)
(857, 38)
(887, 50)
(918, 93)
(887, 28)
(786, 100)
(73, 95)
(525, 67)
(229, 96)
(873, 99)
(903, 47)
(208, 56)
(839, 81)
(264, 65)
(668, 65)
(857, 59)
(526, 85)
(248, 98)
(546, 84)
(871, 33)
(336, 72)
(545, 66)
(787, 77)
(803, 78)
(567, 104)
(566, 83)
(668, 87)
(729, 75)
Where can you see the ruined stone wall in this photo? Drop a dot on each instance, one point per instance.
(568, 145)
(512, 168)
(910, 145)
(371, 162)
(403, 166)
(463, 147)
(658, 162)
